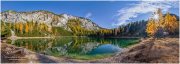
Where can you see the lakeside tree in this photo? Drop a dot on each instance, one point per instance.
(5, 30)
(21, 27)
(162, 25)
(151, 27)
(170, 23)
(26, 28)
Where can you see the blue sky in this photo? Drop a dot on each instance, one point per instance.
(107, 14)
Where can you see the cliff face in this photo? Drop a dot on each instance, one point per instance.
(49, 18)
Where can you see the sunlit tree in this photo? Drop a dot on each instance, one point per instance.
(151, 27)
(21, 27)
(170, 23)
(26, 28)
(160, 18)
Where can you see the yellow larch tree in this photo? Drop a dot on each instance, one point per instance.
(16, 26)
(161, 18)
(151, 27)
(50, 29)
(21, 27)
(27, 28)
(170, 23)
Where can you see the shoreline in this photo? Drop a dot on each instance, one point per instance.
(149, 50)
(17, 37)
(23, 55)
(163, 50)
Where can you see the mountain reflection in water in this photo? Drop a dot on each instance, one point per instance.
(64, 46)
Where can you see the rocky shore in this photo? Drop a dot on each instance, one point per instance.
(163, 50)
(13, 54)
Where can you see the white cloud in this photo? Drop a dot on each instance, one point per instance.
(88, 15)
(125, 15)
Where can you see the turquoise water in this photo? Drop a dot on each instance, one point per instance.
(76, 47)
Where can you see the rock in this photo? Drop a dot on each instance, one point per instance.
(47, 17)
(148, 51)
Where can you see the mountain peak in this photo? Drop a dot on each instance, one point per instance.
(47, 17)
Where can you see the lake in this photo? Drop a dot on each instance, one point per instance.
(76, 47)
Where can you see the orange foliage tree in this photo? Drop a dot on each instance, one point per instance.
(170, 23)
(151, 27)
(27, 28)
(21, 27)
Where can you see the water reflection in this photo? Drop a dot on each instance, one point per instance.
(105, 48)
(75, 45)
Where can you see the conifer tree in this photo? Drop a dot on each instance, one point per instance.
(26, 28)
(151, 27)
(170, 23)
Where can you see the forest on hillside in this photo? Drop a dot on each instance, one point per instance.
(162, 26)
(165, 25)
(32, 28)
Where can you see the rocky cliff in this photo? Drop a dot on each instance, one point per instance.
(51, 19)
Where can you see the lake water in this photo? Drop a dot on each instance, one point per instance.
(76, 47)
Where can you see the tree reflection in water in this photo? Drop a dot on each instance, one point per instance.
(64, 46)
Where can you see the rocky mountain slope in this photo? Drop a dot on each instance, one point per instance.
(49, 18)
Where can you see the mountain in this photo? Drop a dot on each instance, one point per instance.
(49, 18)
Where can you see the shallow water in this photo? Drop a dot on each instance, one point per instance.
(76, 47)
